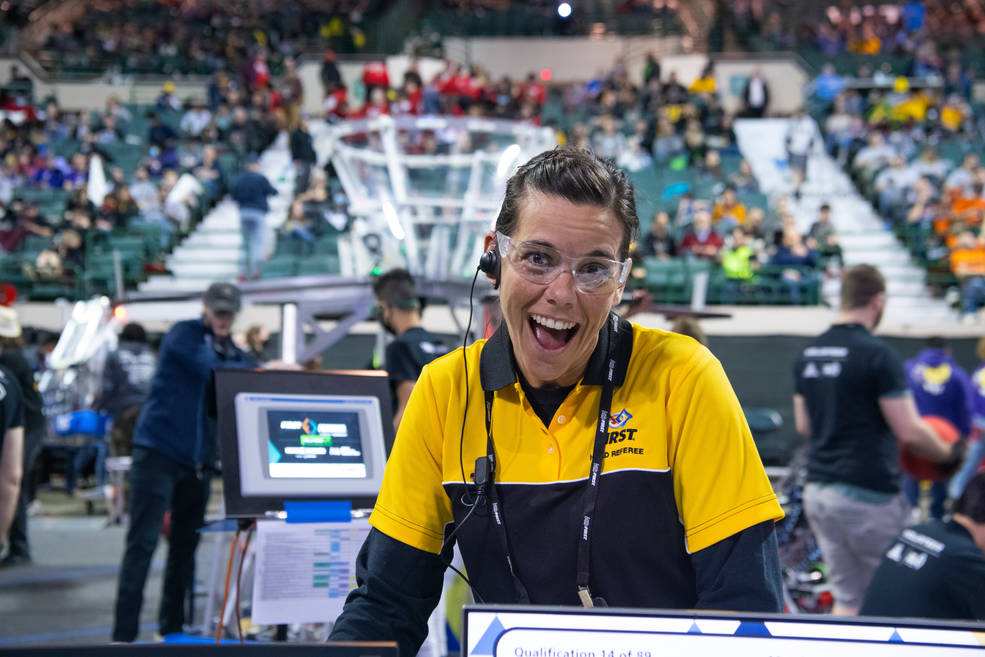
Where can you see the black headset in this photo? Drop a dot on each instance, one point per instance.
(489, 264)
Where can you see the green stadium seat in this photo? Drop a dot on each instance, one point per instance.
(319, 265)
(667, 280)
(279, 267)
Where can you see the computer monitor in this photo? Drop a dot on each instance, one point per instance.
(301, 436)
(531, 631)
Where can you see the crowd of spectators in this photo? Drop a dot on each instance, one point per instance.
(935, 205)
(907, 130)
(919, 30)
(674, 137)
(760, 256)
(197, 37)
(456, 90)
(164, 165)
(916, 28)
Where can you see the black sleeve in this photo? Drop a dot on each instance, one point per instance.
(888, 374)
(400, 363)
(741, 572)
(11, 405)
(798, 380)
(13, 359)
(398, 588)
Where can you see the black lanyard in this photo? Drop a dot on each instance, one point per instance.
(590, 496)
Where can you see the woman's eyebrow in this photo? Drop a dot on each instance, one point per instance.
(597, 253)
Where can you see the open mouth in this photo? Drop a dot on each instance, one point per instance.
(551, 334)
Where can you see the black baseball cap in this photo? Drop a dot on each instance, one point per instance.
(223, 297)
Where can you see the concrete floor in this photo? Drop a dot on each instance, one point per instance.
(66, 596)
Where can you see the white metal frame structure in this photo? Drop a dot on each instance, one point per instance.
(424, 190)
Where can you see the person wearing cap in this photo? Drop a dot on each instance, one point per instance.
(250, 190)
(167, 100)
(174, 453)
(12, 358)
(11, 435)
(398, 309)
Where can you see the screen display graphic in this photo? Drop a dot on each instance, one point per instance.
(305, 444)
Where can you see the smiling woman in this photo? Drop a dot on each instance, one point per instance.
(564, 206)
(554, 325)
(543, 518)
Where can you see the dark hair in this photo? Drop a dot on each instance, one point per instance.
(972, 500)
(859, 285)
(936, 342)
(133, 332)
(578, 176)
(396, 288)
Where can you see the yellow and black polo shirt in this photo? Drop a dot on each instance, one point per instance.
(681, 471)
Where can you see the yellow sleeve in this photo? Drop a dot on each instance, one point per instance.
(412, 506)
(720, 485)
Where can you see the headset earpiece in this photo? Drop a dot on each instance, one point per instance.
(489, 264)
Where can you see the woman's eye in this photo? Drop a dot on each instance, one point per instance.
(537, 258)
(595, 268)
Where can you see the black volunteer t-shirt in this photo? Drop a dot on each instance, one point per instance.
(408, 353)
(933, 570)
(842, 375)
(11, 404)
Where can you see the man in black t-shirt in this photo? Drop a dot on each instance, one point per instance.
(11, 450)
(936, 569)
(853, 402)
(398, 309)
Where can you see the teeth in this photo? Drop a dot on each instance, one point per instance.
(552, 323)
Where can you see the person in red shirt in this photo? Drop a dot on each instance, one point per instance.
(701, 241)
(375, 108)
(535, 90)
(257, 73)
(375, 76)
(336, 104)
(445, 80)
(408, 100)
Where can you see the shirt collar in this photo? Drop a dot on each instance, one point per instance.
(497, 365)
(852, 326)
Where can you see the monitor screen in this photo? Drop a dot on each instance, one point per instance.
(301, 436)
(514, 631)
(298, 445)
(304, 444)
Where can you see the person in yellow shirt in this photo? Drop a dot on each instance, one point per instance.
(704, 83)
(953, 114)
(728, 208)
(867, 43)
(576, 458)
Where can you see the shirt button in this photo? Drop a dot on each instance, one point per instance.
(561, 419)
(550, 450)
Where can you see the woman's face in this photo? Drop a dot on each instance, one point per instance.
(554, 327)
